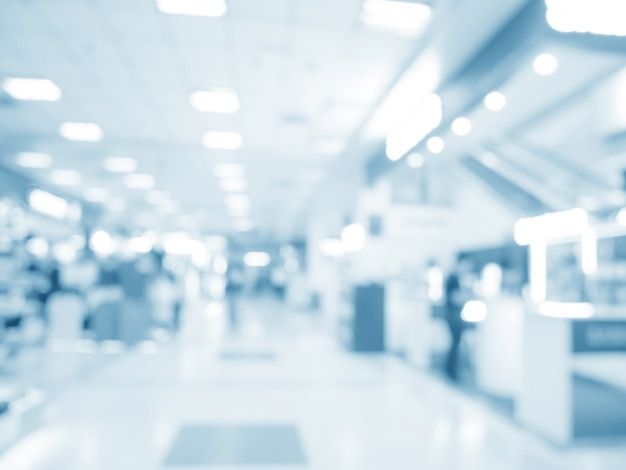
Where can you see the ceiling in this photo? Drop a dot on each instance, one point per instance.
(306, 73)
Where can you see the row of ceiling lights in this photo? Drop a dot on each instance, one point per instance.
(544, 64)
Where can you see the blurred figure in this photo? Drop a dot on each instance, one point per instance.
(456, 296)
(234, 286)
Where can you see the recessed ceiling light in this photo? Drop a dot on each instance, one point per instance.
(208, 8)
(223, 140)
(229, 170)
(217, 100)
(97, 195)
(435, 144)
(237, 202)
(81, 131)
(495, 101)
(34, 89)
(158, 197)
(33, 160)
(257, 259)
(401, 17)
(66, 177)
(139, 181)
(119, 164)
(461, 126)
(233, 185)
(415, 160)
(545, 64)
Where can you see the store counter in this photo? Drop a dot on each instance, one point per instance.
(558, 399)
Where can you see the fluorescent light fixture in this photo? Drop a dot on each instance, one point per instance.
(119, 164)
(495, 101)
(102, 243)
(243, 225)
(474, 311)
(66, 177)
(233, 185)
(549, 226)
(461, 126)
(331, 147)
(32, 89)
(413, 128)
(140, 244)
(33, 160)
(81, 131)
(229, 170)
(589, 252)
(566, 309)
(545, 64)
(257, 259)
(217, 100)
(49, 204)
(415, 160)
(207, 8)
(158, 197)
(139, 181)
(237, 201)
(435, 145)
(97, 195)
(400, 17)
(353, 238)
(223, 140)
(602, 17)
(332, 247)
(38, 247)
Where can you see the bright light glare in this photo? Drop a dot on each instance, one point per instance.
(139, 181)
(229, 170)
(549, 226)
(353, 238)
(545, 64)
(400, 17)
(66, 177)
(233, 185)
(415, 160)
(223, 140)
(64, 253)
(140, 244)
(603, 17)
(435, 145)
(495, 101)
(49, 204)
(217, 100)
(102, 243)
(34, 160)
(461, 126)
(413, 128)
(257, 259)
(566, 309)
(81, 131)
(435, 283)
(208, 8)
(119, 164)
(33, 89)
(474, 311)
(38, 247)
(97, 195)
(331, 247)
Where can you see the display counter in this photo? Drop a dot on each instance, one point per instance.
(559, 398)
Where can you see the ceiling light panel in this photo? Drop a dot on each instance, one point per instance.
(223, 140)
(33, 89)
(217, 100)
(81, 131)
(206, 8)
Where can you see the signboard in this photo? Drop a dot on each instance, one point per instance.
(591, 336)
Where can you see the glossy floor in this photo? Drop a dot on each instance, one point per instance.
(276, 392)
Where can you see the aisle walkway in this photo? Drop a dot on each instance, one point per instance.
(277, 394)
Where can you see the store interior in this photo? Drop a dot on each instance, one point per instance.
(433, 187)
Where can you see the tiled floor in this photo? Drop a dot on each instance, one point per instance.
(281, 390)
